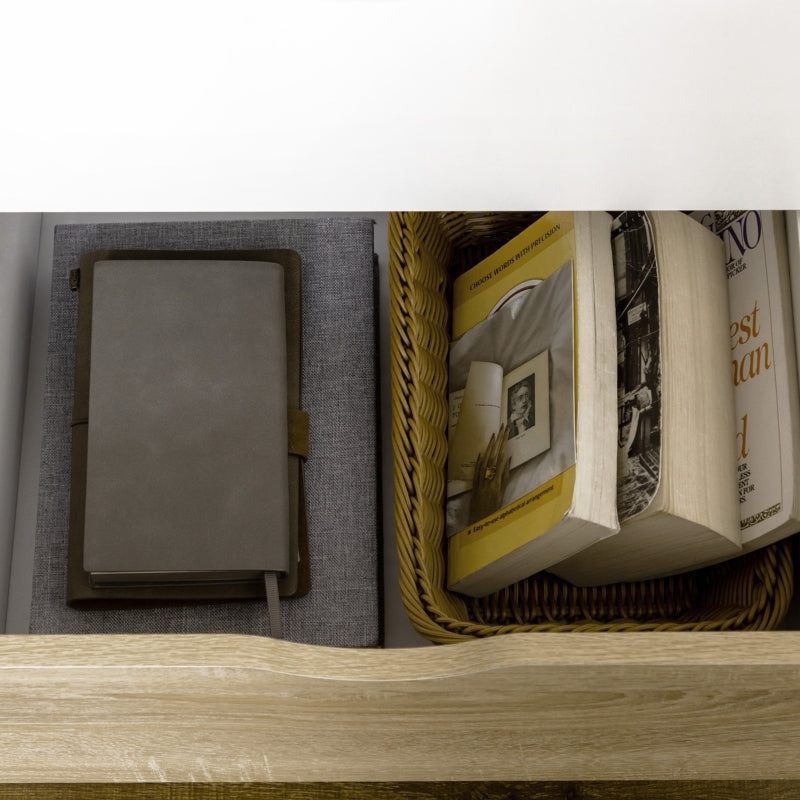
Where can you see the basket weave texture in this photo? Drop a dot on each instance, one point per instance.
(426, 251)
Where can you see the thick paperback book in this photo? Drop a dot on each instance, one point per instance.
(532, 377)
(676, 428)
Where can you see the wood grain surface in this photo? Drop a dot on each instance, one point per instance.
(453, 790)
(540, 707)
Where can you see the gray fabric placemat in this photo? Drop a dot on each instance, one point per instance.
(340, 389)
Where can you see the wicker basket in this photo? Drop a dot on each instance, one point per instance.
(426, 250)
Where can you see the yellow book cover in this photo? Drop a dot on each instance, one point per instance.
(513, 365)
(532, 256)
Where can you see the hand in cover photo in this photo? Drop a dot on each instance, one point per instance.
(492, 471)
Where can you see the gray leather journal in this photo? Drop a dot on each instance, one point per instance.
(183, 484)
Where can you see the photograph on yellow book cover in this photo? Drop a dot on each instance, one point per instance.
(512, 378)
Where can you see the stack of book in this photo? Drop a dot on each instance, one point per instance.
(181, 353)
(623, 398)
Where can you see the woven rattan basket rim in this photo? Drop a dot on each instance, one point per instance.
(421, 247)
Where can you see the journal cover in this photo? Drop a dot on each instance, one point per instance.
(218, 482)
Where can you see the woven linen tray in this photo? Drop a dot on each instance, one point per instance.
(426, 250)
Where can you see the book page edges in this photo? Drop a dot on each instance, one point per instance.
(700, 432)
(595, 496)
(681, 528)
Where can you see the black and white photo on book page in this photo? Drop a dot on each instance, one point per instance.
(638, 362)
(512, 392)
(520, 399)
